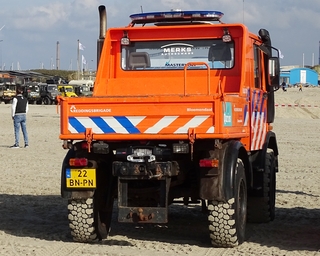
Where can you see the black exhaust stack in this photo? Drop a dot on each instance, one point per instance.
(102, 33)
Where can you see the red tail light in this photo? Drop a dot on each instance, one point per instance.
(209, 163)
(78, 162)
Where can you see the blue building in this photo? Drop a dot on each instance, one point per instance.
(294, 75)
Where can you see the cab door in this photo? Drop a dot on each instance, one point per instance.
(258, 102)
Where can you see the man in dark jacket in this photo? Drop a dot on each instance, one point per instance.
(19, 112)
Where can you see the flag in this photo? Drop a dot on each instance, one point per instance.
(280, 55)
(84, 60)
(81, 46)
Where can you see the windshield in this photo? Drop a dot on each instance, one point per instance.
(52, 88)
(86, 88)
(68, 89)
(33, 88)
(164, 55)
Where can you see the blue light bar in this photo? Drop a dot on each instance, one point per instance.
(152, 17)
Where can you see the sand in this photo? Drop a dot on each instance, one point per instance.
(33, 216)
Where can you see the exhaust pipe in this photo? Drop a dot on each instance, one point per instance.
(102, 32)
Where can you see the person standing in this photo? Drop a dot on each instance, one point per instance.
(19, 110)
(300, 87)
(284, 86)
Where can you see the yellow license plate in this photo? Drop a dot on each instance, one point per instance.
(81, 178)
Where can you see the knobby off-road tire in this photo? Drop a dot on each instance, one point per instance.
(262, 209)
(47, 101)
(84, 221)
(227, 221)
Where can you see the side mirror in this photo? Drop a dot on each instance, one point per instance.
(274, 72)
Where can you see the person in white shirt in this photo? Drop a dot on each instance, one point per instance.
(19, 110)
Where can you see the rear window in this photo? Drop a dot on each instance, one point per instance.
(167, 55)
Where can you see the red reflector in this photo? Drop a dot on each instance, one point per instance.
(78, 161)
(84, 145)
(209, 163)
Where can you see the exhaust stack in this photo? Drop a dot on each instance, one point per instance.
(102, 33)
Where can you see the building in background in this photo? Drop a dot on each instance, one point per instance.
(293, 75)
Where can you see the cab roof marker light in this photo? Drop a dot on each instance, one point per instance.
(125, 39)
(226, 38)
(178, 15)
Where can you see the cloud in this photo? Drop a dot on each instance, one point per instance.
(41, 17)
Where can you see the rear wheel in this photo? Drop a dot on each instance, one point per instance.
(261, 209)
(227, 220)
(90, 219)
(85, 220)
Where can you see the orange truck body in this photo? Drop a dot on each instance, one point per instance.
(198, 97)
(179, 109)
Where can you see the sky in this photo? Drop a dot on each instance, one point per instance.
(31, 29)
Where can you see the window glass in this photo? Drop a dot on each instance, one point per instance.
(164, 55)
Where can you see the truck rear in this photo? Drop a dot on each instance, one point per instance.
(182, 108)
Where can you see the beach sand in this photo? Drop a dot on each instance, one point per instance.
(33, 216)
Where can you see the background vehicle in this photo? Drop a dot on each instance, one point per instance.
(83, 88)
(7, 92)
(181, 108)
(49, 93)
(32, 92)
(67, 90)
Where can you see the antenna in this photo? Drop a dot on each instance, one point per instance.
(140, 8)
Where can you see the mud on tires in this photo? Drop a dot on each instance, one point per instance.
(227, 220)
(84, 225)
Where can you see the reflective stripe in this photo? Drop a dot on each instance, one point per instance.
(130, 124)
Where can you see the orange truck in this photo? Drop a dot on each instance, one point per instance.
(182, 111)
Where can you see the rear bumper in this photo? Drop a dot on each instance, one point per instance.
(132, 170)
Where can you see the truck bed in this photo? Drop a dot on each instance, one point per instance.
(136, 118)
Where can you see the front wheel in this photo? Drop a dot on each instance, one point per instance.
(227, 220)
(46, 101)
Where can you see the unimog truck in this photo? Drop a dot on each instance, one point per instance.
(182, 108)
(49, 93)
(32, 92)
(7, 93)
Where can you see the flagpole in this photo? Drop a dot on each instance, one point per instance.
(78, 64)
(243, 11)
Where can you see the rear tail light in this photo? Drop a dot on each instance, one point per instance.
(78, 162)
(209, 163)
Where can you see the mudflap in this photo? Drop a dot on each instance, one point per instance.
(142, 214)
(217, 183)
